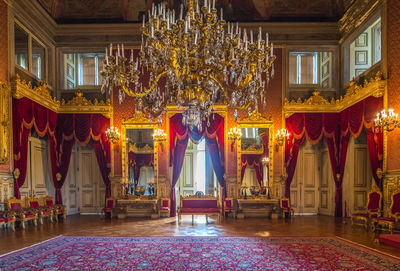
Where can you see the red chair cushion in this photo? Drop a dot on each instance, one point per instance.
(287, 209)
(110, 203)
(49, 202)
(46, 213)
(16, 206)
(34, 204)
(165, 203)
(164, 209)
(228, 204)
(199, 203)
(396, 203)
(390, 219)
(199, 210)
(228, 209)
(2, 220)
(60, 211)
(29, 215)
(285, 204)
(360, 215)
(107, 209)
(374, 199)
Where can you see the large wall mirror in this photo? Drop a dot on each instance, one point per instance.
(254, 157)
(140, 158)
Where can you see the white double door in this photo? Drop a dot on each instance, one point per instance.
(84, 190)
(38, 180)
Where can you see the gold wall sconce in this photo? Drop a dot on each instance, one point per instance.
(234, 135)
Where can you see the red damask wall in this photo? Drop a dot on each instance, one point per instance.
(273, 109)
(3, 41)
(393, 87)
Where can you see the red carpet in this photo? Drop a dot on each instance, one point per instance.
(197, 253)
(390, 239)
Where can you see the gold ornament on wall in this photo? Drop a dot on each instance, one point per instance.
(355, 93)
(4, 122)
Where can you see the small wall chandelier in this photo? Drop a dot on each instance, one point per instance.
(192, 60)
(159, 135)
(113, 135)
(265, 161)
(386, 121)
(281, 136)
(234, 134)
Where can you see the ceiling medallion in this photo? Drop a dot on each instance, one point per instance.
(194, 60)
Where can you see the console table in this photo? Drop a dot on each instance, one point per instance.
(138, 207)
(257, 207)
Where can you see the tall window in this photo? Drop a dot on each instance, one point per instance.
(310, 69)
(34, 62)
(365, 50)
(82, 69)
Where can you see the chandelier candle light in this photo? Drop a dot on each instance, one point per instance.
(192, 60)
(113, 135)
(386, 121)
(281, 137)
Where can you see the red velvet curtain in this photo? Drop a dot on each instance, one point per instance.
(337, 128)
(138, 160)
(253, 160)
(81, 128)
(28, 114)
(179, 135)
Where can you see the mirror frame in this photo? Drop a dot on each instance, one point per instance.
(138, 121)
(255, 121)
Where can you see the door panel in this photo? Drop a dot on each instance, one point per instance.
(91, 186)
(70, 187)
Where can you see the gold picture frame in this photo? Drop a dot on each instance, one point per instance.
(138, 121)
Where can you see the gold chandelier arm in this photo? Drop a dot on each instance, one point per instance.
(131, 93)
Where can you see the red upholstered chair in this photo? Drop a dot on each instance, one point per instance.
(110, 206)
(228, 207)
(42, 211)
(7, 218)
(58, 209)
(285, 206)
(16, 208)
(394, 214)
(373, 209)
(165, 207)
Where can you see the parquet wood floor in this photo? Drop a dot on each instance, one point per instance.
(98, 226)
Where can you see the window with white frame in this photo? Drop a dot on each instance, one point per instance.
(310, 69)
(82, 69)
(365, 49)
(29, 52)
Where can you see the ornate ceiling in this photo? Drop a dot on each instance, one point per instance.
(112, 11)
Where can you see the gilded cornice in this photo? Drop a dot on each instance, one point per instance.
(80, 104)
(355, 93)
(253, 150)
(254, 118)
(146, 149)
(41, 95)
(138, 118)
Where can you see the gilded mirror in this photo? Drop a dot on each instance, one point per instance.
(140, 158)
(255, 157)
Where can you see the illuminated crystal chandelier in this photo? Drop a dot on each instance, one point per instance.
(194, 61)
(387, 121)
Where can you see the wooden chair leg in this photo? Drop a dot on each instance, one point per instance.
(23, 224)
(12, 224)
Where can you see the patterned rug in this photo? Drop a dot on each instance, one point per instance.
(197, 253)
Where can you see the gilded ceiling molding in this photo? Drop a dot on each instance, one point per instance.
(4, 122)
(355, 93)
(80, 104)
(41, 95)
